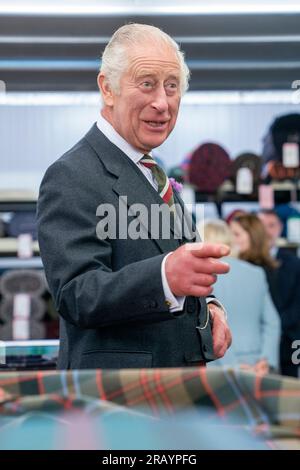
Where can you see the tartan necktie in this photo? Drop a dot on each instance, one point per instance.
(164, 186)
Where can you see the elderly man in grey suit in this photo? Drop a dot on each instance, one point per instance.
(128, 301)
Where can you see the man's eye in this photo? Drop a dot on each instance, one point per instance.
(172, 86)
(147, 84)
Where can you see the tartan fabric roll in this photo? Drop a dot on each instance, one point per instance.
(209, 167)
(277, 171)
(166, 391)
(247, 160)
(267, 406)
(284, 129)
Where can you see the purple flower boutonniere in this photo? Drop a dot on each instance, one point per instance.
(175, 185)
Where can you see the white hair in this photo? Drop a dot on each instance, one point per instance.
(115, 55)
(217, 231)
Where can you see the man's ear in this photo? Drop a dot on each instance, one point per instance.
(106, 91)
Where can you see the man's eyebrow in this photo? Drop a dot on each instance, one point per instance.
(173, 77)
(144, 74)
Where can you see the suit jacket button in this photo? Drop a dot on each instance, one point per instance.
(153, 304)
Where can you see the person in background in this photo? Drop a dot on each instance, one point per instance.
(284, 286)
(234, 214)
(250, 241)
(253, 319)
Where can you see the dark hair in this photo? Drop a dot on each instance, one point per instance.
(258, 253)
(269, 212)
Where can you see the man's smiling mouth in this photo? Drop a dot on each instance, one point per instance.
(156, 124)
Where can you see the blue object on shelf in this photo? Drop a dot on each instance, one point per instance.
(23, 222)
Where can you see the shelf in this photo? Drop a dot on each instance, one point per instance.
(8, 262)
(285, 186)
(33, 343)
(284, 192)
(17, 200)
(283, 243)
(28, 354)
(17, 206)
(9, 245)
(21, 195)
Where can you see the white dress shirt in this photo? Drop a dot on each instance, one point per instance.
(175, 303)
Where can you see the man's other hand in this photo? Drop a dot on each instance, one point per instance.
(221, 334)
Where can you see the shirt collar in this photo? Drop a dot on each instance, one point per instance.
(107, 129)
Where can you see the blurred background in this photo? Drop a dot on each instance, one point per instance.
(235, 149)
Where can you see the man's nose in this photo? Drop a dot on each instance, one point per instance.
(160, 100)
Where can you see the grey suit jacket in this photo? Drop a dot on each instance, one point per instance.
(109, 293)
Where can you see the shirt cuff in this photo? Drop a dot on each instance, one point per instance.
(174, 303)
(213, 300)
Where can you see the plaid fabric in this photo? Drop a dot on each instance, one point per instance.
(209, 167)
(268, 405)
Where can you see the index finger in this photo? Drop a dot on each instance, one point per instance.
(208, 250)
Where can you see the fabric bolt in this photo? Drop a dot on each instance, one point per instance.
(209, 167)
(225, 403)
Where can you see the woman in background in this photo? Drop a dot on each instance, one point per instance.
(251, 242)
(255, 327)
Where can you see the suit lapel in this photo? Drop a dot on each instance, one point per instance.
(135, 186)
(130, 182)
(189, 230)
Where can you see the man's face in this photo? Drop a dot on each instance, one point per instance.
(145, 111)
(272, 226)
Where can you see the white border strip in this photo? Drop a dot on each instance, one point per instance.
(191, 98)
(145, 7)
